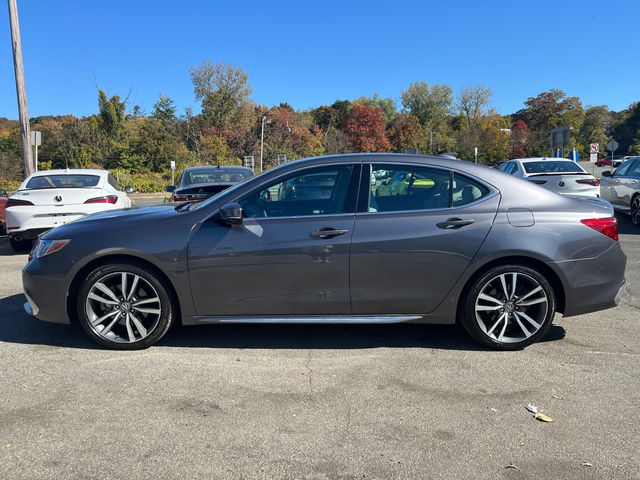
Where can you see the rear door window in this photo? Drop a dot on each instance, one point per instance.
(397, 188)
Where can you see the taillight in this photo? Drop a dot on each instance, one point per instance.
(606, 226)
(15, 202)
(589, 181)
(180, 198)
(112, 199)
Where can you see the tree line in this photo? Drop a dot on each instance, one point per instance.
(430, 118)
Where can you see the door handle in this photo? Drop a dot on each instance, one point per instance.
(327, 232)
(453, 223)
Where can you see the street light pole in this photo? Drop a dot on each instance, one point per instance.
(27, 157)
(264, 118)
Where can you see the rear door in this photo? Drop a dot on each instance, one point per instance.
(416, 231)
(617, 189)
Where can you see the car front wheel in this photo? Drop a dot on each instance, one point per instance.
(21, 245)
(124, 307)
(509, 307)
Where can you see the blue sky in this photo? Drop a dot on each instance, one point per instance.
(312, 53)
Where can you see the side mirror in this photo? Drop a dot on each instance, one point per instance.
(231, 214)
(171, 188)
(3, 193)
(129, 189)
(606, 173)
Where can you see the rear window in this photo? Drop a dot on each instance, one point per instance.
(215, 175)
(552, 166)
(62, 181)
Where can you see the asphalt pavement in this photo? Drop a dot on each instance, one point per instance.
(320, 402)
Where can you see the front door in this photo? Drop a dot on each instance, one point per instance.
(291, 254)
(416, 232)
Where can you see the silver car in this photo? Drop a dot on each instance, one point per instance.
(622, 188)
(333, 240)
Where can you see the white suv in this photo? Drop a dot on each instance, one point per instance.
(54, 197)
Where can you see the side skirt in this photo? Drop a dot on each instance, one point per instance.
(313, 319)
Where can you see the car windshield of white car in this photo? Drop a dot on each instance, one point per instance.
(552, 167)
(62, 181)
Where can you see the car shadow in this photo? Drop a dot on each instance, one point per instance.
(7, 251)
(18, 327)
(625, 226)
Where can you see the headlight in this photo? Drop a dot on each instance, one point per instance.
(42, 248)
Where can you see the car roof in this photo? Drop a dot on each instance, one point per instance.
(215, 167)
(541, 159)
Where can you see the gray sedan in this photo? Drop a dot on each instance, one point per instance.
(622, 188)
(371, 238)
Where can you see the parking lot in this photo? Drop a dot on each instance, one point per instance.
(394, 401)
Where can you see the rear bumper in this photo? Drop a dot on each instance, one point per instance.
(25, 218)
(594, 284)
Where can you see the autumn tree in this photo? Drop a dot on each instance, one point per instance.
(519, 139)
(387, 106)
(472, 103)
(406, 132)
(546, 111)
(365, 129)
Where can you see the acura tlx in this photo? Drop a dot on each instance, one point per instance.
(367, 238)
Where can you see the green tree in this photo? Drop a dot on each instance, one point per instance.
(112, 113)
(164, 110)
(223, 89)
(433, 107)
(594, 127)
(472, 103)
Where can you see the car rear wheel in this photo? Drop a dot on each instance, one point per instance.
(509, 307)
(635, 210)
(124, 307)
(20, 244)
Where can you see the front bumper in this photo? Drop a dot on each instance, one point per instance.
(46, 291)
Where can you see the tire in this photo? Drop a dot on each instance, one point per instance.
(499, 318)
(635, 210)
(20, 246)
(140, 317)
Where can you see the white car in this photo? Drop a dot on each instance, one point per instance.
(559, 175)
(54, 197)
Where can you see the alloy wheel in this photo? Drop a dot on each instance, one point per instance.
(123, 307)
(511, 307)
(635, 211)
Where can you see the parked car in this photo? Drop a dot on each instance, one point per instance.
(492, 251)
(558, 175)
(603, 162)
(54, 197)
(3, 206)
(622, 188)
(199, 183)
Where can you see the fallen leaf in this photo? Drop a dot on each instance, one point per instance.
(493, 409)
(23, 385)
(6, 445)
(513, 466)
(587, 464)
(556, 397)
(532, 408)
(542, 417)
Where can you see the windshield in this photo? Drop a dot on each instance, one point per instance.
(62, 181)
(214, 175)
(552, 166)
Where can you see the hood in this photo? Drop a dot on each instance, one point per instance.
(113, 219)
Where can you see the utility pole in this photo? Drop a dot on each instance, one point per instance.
(27, 158)
(264, 118)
